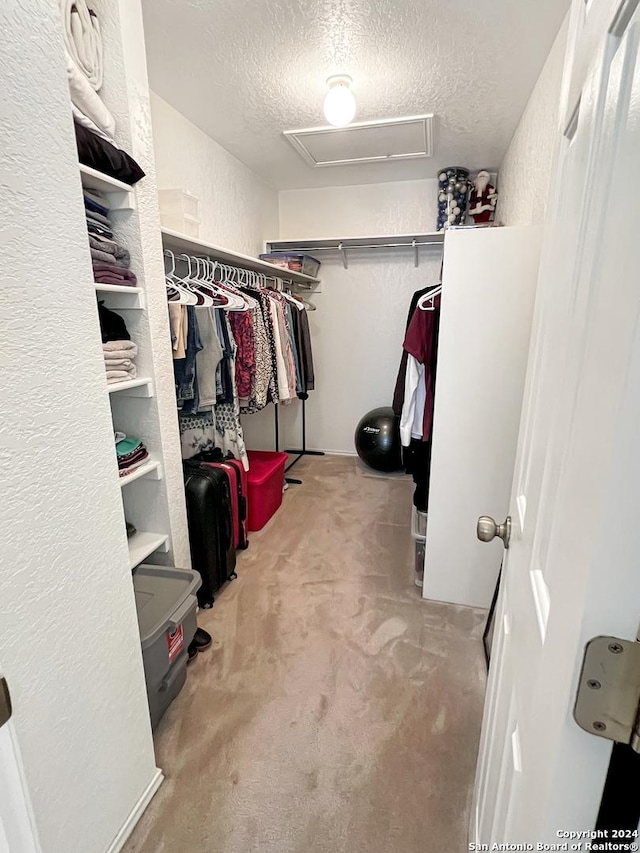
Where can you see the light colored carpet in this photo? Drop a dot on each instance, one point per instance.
(336, 712)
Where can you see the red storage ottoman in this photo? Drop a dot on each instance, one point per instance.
(266, 482)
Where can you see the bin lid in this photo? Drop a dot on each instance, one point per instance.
(159, 592)
(263, 464)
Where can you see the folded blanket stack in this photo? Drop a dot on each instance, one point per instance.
(83, 48)
(110, 260)
(131, 454)
(119, 360)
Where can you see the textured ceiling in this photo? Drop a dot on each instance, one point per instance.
(245, 70)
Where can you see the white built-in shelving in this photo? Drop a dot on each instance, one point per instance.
(118, 288)
(151, 470)
(121, 298)
(141, 387)
(190, 245)
(142, 508)
(120, 196)
(142, 545)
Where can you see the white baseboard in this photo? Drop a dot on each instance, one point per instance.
(136, 813)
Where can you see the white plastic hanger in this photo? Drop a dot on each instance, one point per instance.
(176, 284)
(427, 300)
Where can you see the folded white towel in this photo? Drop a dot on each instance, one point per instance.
(122, 375)
(83, 44)
(120, 346)
(83, 39)
(87, 106)
(118, 363)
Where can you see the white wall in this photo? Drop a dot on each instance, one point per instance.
(354, 211)
(69, 642)
(237, 209)
(359, 326)
(525, 172)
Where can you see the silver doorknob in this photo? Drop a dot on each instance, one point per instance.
(488, 529)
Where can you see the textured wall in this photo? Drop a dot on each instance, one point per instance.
(237, 209)
(244, 72)
(359, 325)
(526, 169)
(69, 642)
(396, 207)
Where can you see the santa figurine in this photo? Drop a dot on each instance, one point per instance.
(482, 199)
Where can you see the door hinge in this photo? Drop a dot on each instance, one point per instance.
(5, 702)
(608, 700)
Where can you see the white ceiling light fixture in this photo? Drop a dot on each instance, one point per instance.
(339, 103)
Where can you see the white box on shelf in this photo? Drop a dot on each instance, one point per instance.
(187, 225)
(179, 202)
(179, 211)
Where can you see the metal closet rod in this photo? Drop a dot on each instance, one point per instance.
(342, 249)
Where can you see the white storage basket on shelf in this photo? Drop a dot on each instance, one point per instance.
(180, 211)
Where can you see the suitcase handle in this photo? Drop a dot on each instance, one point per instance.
(178, 616)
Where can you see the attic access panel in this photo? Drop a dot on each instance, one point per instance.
(365, 142)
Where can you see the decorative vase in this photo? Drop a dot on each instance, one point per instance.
(453, 194)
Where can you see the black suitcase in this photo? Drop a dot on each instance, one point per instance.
(210, 520)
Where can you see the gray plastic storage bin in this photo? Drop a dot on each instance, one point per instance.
(166, 604)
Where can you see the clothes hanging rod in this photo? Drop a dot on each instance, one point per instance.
(342, 246)
(339, 247)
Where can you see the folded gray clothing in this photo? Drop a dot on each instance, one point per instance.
(93, 216)
(118, 363)
(121, 375)
(97, 228)
(102, 244)
(106, 258)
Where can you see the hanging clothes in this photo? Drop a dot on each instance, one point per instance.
(420, 351)
(185, 369)
(229, 433)
(420, 344)
(252, 347)
(398, 394)
(209, 357)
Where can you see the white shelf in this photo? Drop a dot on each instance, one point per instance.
(117, 288)
(150, 469)
(121, 297)
(341, 245)
(120, 195)
(142, 387)
(189, 245)
(142, 545)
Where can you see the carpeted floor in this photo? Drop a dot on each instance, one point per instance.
(337, 712)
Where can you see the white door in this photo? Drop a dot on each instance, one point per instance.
(17, 828)
(572, 569)
(488, 292)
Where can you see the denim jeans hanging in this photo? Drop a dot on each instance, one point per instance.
(184, 369)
